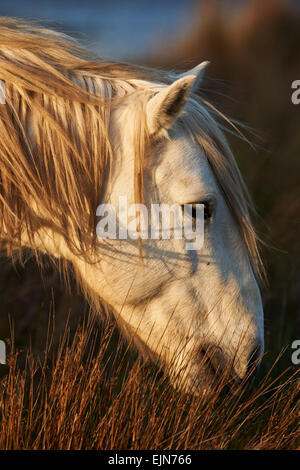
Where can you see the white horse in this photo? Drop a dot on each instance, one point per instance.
(76, 132)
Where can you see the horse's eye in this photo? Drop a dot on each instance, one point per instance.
(208, 209)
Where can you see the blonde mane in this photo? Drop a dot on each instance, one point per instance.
(55, 150)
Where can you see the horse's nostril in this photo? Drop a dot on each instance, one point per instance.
(214, 357)
(254, 360)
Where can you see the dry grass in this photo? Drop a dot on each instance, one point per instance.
(93, 393)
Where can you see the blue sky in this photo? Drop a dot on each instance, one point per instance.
(112, 28)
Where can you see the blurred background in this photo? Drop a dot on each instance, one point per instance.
(254, 50)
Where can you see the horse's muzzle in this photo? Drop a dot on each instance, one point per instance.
(223, 368)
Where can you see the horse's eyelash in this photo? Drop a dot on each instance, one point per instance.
(208, 209)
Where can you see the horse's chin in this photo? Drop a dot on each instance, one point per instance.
(205, 378)
(202, 385)
(205, 384)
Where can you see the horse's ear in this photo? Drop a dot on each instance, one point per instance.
(198, 73)
(167, 104)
